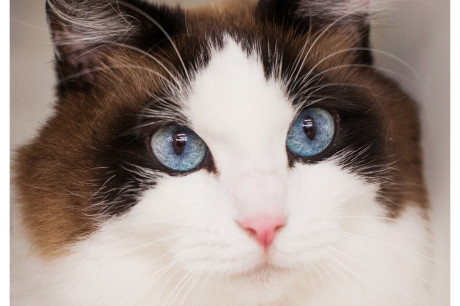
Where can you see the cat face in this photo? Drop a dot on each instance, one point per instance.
(240, 144)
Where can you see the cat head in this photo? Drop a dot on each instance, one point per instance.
(235, 138)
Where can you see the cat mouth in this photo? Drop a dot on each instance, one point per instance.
(262, 272)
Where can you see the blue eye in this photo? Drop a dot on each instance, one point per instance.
(178, 148)
(311, 132)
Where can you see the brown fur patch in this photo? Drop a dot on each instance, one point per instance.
(56, 173)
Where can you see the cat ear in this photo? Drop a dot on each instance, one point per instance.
(351, 16)
(339, 12)
(82, 30)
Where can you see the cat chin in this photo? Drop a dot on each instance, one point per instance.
(81, 278)
(260, 274)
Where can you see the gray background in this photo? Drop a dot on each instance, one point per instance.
(417, 31)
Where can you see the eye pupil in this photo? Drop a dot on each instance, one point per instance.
(309, 127)
(179, 142)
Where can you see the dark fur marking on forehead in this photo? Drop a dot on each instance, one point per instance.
(304, 16)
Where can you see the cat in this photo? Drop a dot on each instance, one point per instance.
(247, 153)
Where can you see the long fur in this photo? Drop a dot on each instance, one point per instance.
(98, 220)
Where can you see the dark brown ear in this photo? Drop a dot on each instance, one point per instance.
(83, 30)
(302, 15)
(321, 11)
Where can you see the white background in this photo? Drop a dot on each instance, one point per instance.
(417, 31)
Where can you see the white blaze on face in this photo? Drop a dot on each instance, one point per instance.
(255, 210)
(244, 119)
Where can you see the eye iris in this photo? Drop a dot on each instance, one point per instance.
(311, 132)
(309, 127)
(179, 142)
(178, 148)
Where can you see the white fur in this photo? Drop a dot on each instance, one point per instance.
(180, 245)
(107, 22)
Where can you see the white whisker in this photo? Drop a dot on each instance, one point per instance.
(336, 21)
(176, 291)
(375, 274)
(351, 282)
(162, 30)
(358, 236)
(203, 286)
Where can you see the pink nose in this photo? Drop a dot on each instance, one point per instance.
(263, 229)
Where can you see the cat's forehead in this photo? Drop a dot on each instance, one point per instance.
(232, 99)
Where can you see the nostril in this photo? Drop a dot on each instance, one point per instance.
(263, 228)
(279, 226)
(251, 231)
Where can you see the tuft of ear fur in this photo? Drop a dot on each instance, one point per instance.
(351, 16)
(323, 11)
(82, 31)
(330, 9)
